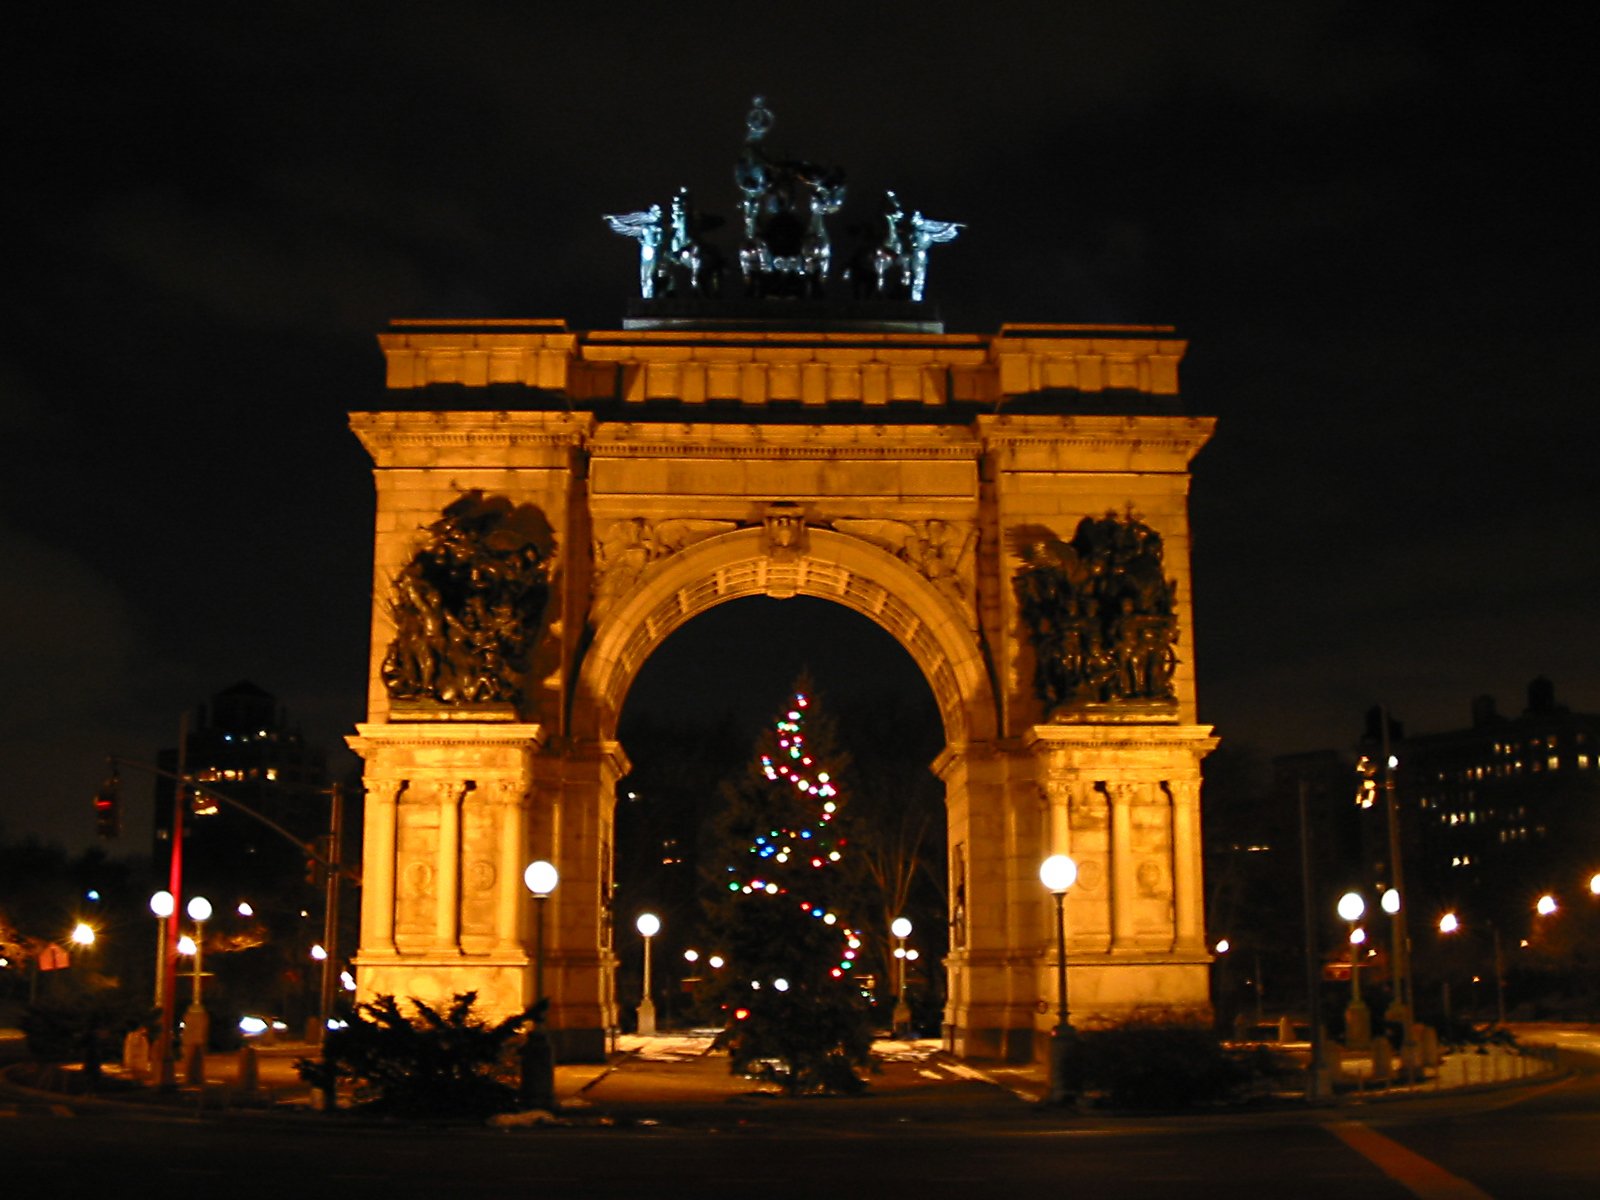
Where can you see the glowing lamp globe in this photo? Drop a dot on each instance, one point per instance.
(1351, 906)
(901, 927)
(648, 924)
(199, 909)
(1058, 873)
(161, 904)
(1391, 902)
(541, 878)
(1449, 923)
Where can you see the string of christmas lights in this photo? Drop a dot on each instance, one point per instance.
(812, 843)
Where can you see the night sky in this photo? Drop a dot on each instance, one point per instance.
(1368, 220)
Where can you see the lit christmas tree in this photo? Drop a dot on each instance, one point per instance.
(779, 909)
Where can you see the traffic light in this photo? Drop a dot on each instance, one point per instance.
(108, 808)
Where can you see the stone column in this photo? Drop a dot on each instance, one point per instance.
(447, 868)
(514, 858)
(1124, 880)
(377, 867)
(1187, 897)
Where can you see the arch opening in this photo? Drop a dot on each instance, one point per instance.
(690, 724)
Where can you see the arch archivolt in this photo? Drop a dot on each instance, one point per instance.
(924, 618)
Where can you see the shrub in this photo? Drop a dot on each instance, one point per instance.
(435, 1063)
(1161, 1060)
(82, 1026)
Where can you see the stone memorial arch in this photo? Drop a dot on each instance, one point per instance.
(1012, 507)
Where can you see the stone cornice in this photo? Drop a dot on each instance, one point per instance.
(1141, 740)
(818, 367)
(406, 734)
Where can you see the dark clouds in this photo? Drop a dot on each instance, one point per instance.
(1368, 222)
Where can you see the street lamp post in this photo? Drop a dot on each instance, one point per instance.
(901, 928)
(196, 1021)
(1357, 1019)
(1450, 923)
(538, 1058)
(1058, 873)
(648, 926)
(1399, 1011)
(161, 906)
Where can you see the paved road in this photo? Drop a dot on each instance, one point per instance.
(951, 1135)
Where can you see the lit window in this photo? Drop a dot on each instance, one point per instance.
(1554, 762)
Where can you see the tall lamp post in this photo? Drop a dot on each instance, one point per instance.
(648, 926)
(901, 928)
(538, 1060)
(1357, 1018)
(197, 1022)
(1449, 923)
(1058, 873)
(1399, 1011)
(161, 906)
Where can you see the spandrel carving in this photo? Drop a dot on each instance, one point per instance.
(942, 552)
(467, 607)
(1099, 613)
(626, 547)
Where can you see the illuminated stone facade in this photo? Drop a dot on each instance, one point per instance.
(893, 472)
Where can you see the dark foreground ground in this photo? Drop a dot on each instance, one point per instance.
(675, 1124)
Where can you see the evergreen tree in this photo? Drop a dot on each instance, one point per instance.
(779, 909)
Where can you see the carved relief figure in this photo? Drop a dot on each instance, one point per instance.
(626, 547)
(467, 607)
(786, 530)
(942, 552)
(1099, 613)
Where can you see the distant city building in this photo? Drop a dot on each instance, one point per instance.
(242, 745)
(1505, 808)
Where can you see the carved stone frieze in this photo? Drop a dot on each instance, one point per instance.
(942, 552)
(623, 550)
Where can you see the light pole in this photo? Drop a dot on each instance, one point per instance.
(1058, 873)
(541, 878)
(901, 928)
(161, 906)
(1357, 1019)
(538, 1059)
(1449, 924)
(648, 926)
(197, 1022)
(1399, 1010)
